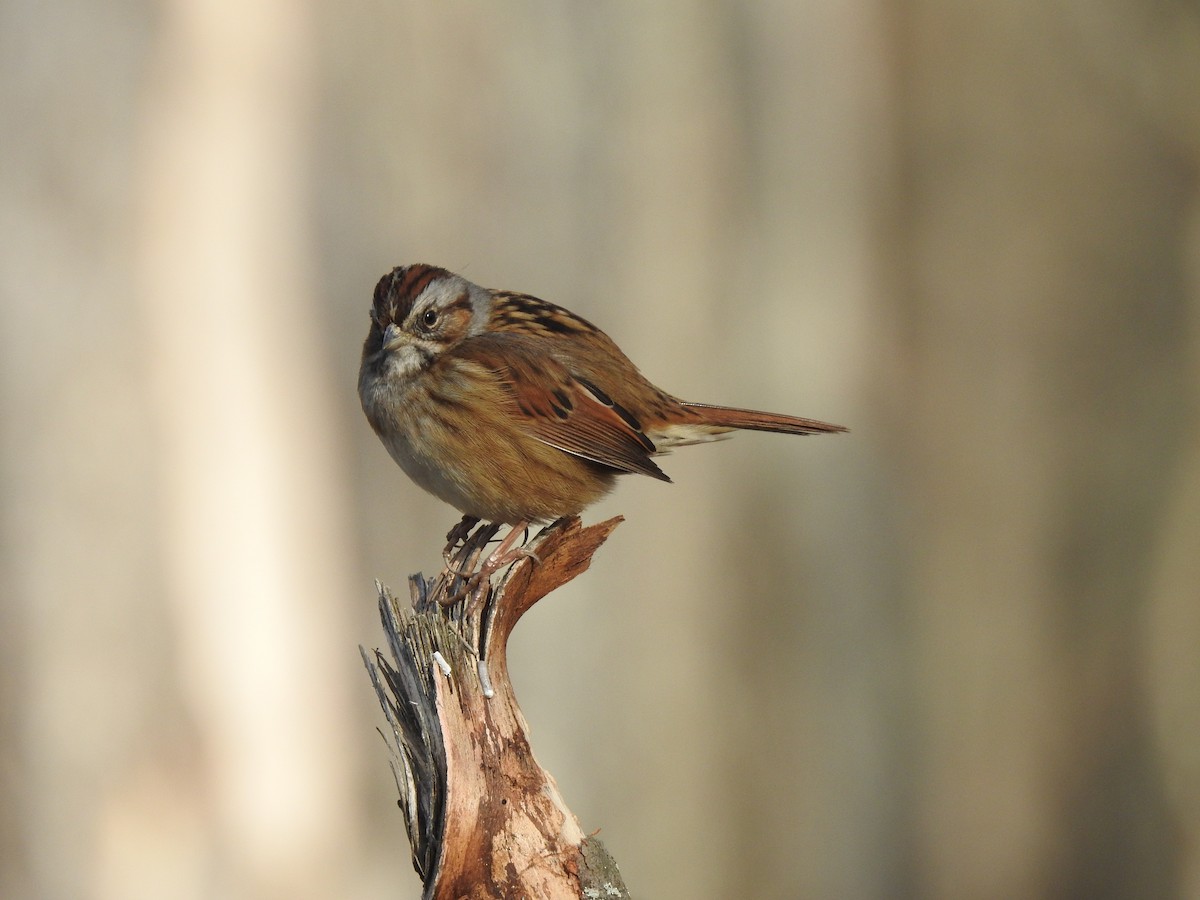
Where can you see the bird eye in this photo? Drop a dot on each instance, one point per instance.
(429, 318)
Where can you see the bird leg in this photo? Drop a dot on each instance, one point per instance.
(504, 555)
(457, 537)
(460, 564)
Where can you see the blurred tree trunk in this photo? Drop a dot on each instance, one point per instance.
(78, 575)
(255, 540)
(1039, 252)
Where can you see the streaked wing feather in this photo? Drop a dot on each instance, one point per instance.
(563, 410)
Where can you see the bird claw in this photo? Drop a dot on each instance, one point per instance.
(479, 581)
(506, 554)
(449, 566)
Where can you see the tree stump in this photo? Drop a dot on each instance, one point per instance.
(483, 818)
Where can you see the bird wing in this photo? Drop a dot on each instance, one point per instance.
(562, 408)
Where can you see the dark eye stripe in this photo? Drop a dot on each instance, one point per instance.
(462, 302)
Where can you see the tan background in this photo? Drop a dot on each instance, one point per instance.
(954, 654)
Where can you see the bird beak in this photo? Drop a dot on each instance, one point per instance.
(393, 337)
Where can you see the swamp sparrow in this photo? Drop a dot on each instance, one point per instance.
(515, 410)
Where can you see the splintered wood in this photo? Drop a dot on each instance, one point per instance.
(483, 818)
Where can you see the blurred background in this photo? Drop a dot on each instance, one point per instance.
(953, 654)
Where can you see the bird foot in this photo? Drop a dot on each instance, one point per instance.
(504, 555)
(457, 539)
(479, 580)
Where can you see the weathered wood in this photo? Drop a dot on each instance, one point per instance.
(483, 818)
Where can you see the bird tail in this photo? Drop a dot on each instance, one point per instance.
(753, 420)
(711, 423)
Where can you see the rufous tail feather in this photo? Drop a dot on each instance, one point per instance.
(753, 420)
